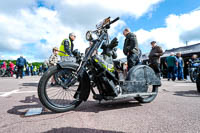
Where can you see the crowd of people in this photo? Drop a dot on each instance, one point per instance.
(175, 65)
(22, 68)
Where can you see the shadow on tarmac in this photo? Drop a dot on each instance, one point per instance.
(88, 106)
(95, 107)
(190, 93)
(22, 109)
(79, 130)
(30, 84)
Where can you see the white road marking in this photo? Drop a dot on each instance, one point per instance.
(5, 94)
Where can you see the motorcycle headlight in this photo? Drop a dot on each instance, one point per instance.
(91, 36)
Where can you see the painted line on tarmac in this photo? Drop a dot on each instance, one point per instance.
(5, 94)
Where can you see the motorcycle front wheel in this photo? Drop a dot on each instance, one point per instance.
(148, 99)
(2, 72)
(56, 97)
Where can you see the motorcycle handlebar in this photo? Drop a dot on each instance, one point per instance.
(107, 26)
(116, 19)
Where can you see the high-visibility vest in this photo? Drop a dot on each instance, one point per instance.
(62, 48)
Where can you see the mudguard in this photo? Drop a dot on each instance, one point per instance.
(83, 91)
(68, 64)
(139, 78)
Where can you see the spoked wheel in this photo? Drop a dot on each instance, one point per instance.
(148, 99)
(58, 97)
(193, 76)
(1, 72)
(198, 83)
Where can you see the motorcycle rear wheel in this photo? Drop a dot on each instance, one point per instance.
(65, 100)
(193, 76)
(148, 99)
(198, 83)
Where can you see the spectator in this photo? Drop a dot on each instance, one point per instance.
(21, 62)
(171, 63)
(130, 48)
(40, 70)
(27, 70)
(66, 47)
(180, 62)
(31, 68)
(53, 59)
(154, 57)
(87, 49)
(45, 66)
(34, 70)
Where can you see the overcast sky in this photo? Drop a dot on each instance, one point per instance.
(33, 27)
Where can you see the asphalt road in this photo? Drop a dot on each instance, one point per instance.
(175, 110)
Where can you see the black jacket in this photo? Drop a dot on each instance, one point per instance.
(130, 44)
(154, 56)
(67, 48)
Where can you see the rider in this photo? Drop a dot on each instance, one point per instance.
(66, 47)
(4, 66)
(131, 48)
(11, 65)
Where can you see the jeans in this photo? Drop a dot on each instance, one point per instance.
(133, 60)
(180, 74)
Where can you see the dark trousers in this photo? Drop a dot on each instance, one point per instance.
(171, 73)
(20, 71)
(155, 67)
(133, 60)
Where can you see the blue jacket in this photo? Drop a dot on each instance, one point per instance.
(180, 61)
(21, 62)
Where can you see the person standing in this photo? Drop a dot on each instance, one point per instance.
(130, 48)
(66, 47)
(180, 62)
(31, 68)
(27, 70)
(40, 70)
(21, 62)
(34, 70)
(171, 64)
(87, 49)
(154, 57)
(53, 60)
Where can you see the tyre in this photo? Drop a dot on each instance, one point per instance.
(198, 83)
(2, 72)
(193, 76)
(57, 97)
(148, 99)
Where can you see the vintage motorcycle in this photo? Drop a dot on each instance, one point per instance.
(6, 73)
(193, 69)
(96, 74)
